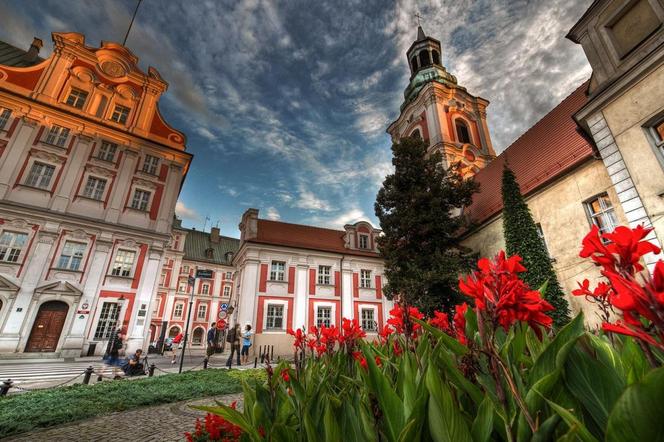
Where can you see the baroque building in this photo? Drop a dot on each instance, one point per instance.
(89, 176)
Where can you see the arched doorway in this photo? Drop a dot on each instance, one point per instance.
(197, 338)
(173, 332)
(47, 327)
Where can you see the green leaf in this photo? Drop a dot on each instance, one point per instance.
(638, 415)
(546, 430)
(572, 422)
(445, 421)
(450, 343)
(546, 362)
(483, 423)
(331, 428)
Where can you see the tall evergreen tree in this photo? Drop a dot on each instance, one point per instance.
(523, 239)
(418, 212)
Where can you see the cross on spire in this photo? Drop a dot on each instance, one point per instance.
(419, 17)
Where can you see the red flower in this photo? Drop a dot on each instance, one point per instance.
(460, 323)
(378, 361)
(299, 338)
(441, 321)
(628, 245)
(400, 319)
(385, 333)
(284, 375)
(351, 332)
(396, 348)
(358, 356)
(502, 296)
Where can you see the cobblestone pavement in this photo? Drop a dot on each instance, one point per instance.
(158, 423)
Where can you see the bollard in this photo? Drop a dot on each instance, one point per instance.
(88, 373)
(6, 385)
(151, 370)
(205, 363)
(256, 362)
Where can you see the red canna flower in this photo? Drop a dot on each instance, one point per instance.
(441, 321)
(385, 333)
(460, 323)
(284, 375)
(396, 348)
(299, 336)
(400, 319)
(378, 361)
(358, 356)
(351, 332)
(628, 244)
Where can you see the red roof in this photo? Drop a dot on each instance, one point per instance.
(304, 237)
(544, 152)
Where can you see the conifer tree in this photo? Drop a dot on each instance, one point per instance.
(523, 239)
(418, 212)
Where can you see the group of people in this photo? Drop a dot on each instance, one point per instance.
(237, 339)
(131, 365)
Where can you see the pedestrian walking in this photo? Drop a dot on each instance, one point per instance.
(212, 339)
(246, 344)
(176, 345)
(233, 338)
(113, 352)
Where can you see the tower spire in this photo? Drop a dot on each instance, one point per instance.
(420, 33)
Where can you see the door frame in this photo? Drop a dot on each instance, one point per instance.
(32, 329)
(32, 316)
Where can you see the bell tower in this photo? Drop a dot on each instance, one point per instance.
(441, 112)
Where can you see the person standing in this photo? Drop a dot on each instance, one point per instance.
(175, 345)
(112, 355)
(233, 338)
(211, 340)
(246, 344)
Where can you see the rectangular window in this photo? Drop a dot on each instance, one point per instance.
(182, 287)
(177, 310)
(40, 175)
(71, 255)
(150, 164)
(157, 304)
(365, 279)
(202, 311)
(324, 275)
(94, 188)
(205, 289)
(108, 320)
(368, 321)
(227, 291)
(140, 200)
(229, 275)
(77, 98)
(57, 136)
(5, 114)
(602, 214)
(185, 269)
(162, 279)
(107, 151)
(277, 273)
(324, 316)
(120, 114)
(11, 245)
(364, 242)
(124, 262)
(274, 319)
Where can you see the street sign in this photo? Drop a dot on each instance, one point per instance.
(222, 314)
(221, 323)
(204, 274)
(191, 280)
(224, 306)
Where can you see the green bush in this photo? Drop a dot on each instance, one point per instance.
(28, 411)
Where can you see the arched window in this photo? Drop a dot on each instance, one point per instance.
(209, 253)
(416, 134)
(413, 63)
(197, 337)
(436, 57)
(173, 332)
(424, 58)
(463, 134)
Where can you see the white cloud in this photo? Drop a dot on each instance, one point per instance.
(205, 133)
(273, 214)
(308, 201)
(229, 191)
(338, 221)
(185, 212)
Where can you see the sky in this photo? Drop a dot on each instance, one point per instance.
(285, 103)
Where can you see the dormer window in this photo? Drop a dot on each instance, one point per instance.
(463, 134)
(209, 253)
(107, 151)
(120, 114)
(77, 98)
(364, 241)
(5, 114)
(150, 164)
(57, 135)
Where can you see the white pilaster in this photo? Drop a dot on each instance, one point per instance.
(300, 302)
(146, 291)
(347, 293)
(248, 293)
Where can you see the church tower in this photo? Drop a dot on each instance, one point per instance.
(443, 113)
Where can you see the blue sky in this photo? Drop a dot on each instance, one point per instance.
(285, 104)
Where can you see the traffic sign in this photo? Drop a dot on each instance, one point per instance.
(222, 314)
(224, 306)
(221, 323)
(200, 273)
(191, 280)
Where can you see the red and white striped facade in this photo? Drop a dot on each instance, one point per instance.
(293, 276)
(89, 177)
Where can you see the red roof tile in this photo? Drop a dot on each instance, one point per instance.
(305, 237)
(543, 153)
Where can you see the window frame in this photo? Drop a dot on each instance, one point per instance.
(365, 283)
(175, 310)
(5, 116)
(77, 102)
(142, 205)
(38, 178)
(102, 153)
(11, 246)
(95, 191)
(200, 317)
(228, 289)
(587, 204)
(205, 288)
(360, 238)
(123, 117)
(374, 320)
(329, 319)
(284, 315)
(278, 275)
(115, 261)
(324, 277)
(57, 136)
(464, 123)
(109, 325)
(151, 164)
(71, 256)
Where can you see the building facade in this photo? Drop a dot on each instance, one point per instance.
(191, 250)
(89, 177)
(291, 276)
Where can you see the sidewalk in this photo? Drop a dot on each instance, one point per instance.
(166, 422)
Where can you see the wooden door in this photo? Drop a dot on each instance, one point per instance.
(47, 327)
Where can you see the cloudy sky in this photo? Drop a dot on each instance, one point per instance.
(285, 104)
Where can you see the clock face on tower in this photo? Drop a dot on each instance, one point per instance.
(113, 69)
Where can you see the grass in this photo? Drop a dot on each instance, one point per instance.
(24, 412)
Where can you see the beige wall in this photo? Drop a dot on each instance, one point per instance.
(560, 211)
(625, 117)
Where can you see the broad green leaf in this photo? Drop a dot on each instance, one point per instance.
(331, 428)
(638, 415)
(450, 343)
(483, 423)
(572, 422)
(546, 362)
(445, 421)
(546, 429)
